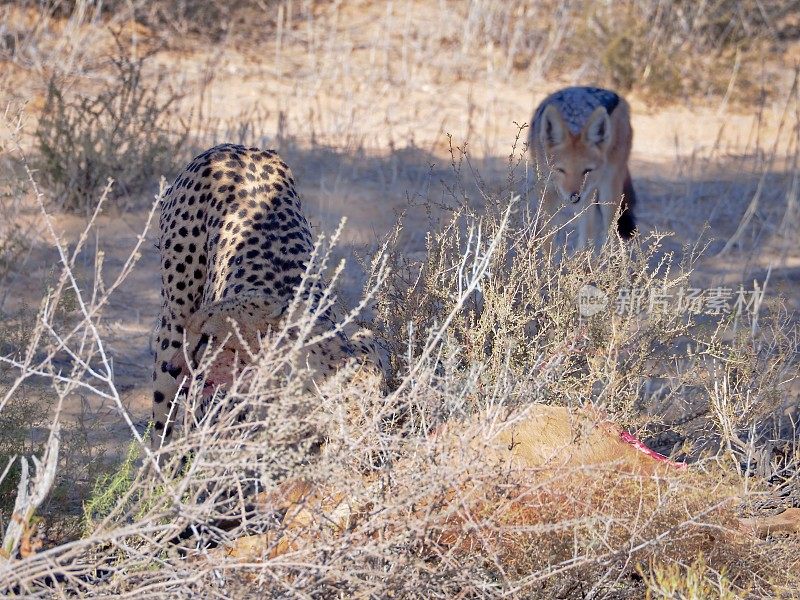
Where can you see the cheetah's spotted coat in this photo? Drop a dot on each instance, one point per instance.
(234, 245)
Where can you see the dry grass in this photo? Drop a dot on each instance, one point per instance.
(129, 132)
(345, 491)
(632, 45)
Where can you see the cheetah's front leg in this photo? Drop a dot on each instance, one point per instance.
(165, 384)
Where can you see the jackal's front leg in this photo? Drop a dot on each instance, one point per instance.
(590, 226)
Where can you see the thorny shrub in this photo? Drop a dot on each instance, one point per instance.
(128, 131)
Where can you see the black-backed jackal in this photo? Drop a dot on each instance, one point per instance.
(580, 140)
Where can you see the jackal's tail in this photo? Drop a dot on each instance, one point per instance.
(626, 224)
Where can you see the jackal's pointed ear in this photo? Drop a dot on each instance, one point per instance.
(552, 130)
(598, 128)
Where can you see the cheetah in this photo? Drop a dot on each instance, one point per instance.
(234, 246)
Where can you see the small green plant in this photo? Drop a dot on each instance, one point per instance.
(694, 582)
(109, 488)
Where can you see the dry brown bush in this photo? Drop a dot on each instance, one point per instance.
(128, 132)
(665, 50)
